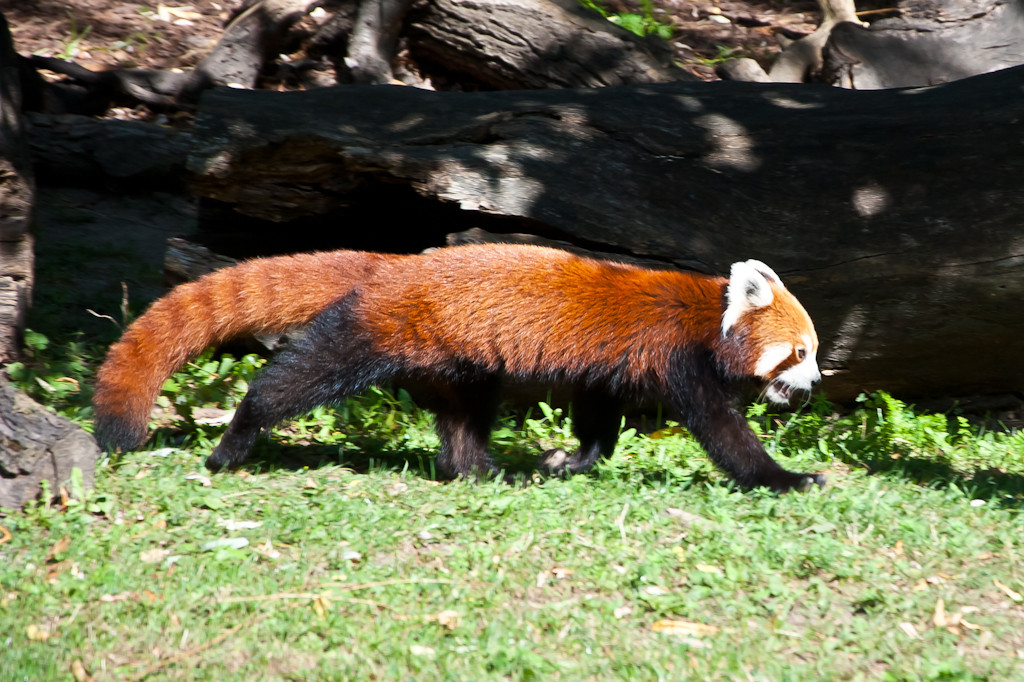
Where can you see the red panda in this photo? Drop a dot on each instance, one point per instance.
(457, 321)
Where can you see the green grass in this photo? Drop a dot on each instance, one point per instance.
(335, 555)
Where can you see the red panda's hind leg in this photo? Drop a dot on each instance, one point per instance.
(465, 413)
(330, 362)
(596, 417)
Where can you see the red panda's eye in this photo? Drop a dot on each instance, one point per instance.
(801, 353)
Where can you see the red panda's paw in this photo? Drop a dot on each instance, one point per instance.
(554, 461)
(224, 458)
(812, 480)
(800, 482)
(558, 462)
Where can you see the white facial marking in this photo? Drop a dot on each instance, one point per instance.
(800, 377)
(748, 289)
(774, 354)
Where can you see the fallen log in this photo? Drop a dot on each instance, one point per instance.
(80, 150)
(894, 215)
(515, 44)
(926, 43)
(249, 39)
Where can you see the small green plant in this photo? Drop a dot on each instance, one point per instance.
(551, 424)
(641, 24)
(137, 41)
(71, 45)
(722, 54)
(595, 6)
(208, 381)
(59, 377)
(901, 432)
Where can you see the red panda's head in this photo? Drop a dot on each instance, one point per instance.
(777, 339)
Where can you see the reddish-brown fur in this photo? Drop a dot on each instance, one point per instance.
(551, 312)
(260, 296)
(456, 321)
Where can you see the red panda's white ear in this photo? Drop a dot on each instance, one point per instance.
(768, 273)
(748, 288)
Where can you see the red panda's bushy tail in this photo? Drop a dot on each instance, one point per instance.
(260, 296)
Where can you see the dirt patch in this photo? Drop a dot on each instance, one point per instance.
(101, 34)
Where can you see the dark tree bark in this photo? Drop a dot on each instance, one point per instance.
(79, 150)
(91, 93)
(930, 43)
(522, 44)
(371, 47)
(38, 445)
(927, 43)
(894, 215)
(185, 262)
(252, 37)
(17, 203)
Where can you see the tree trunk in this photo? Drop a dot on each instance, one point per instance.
(17, 203)
(894, 215)
(374, 37)
(802, 58)
(38, 445)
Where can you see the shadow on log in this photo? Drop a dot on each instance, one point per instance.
(894, 215)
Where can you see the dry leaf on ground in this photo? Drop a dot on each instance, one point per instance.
(59, 547)
(683, 627)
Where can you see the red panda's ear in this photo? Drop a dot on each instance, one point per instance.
(768, 273)
(749, 288)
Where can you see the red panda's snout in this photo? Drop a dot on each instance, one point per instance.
(786, 376)
(782, 345)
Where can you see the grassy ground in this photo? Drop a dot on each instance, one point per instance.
(337, 556)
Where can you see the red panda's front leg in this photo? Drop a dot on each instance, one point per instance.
(735, 448)
(705, 402)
